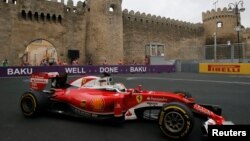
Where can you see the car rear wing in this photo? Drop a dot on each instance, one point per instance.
(39, 81)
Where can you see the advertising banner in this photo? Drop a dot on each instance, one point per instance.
(78, 70)
(225, 68)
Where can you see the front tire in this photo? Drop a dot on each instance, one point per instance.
(176, 120)
(33, 103)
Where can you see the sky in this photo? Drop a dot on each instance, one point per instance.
(183, 10)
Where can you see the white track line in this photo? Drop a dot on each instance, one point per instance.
(189, 80)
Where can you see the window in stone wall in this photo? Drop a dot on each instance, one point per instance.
(219, 24)
(36, 16)
(23, 14)
(54, 18)
(48, 17)
(30, 15)
(112, 8)
(42, 17)
(60, 19)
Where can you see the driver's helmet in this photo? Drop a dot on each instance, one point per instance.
(120, 87)
(103, 82)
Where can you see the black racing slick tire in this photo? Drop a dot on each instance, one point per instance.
(33, 103)
(176, 120)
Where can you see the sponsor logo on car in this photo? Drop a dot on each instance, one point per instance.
(202, 109)
(83, 104)
(161, 99)
(83, 81)
(97, 103)
(152, 103)
(39, 80)
(139, 98)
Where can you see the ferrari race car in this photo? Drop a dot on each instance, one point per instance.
(99, 98)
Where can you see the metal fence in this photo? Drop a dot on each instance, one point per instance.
(227, 53)
(221, 53)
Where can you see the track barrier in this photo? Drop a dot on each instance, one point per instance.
(225, 68)
(78, 70)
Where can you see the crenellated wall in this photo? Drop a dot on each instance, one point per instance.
(24, 21)
(142, 18)
(141, 29)
(226, 32)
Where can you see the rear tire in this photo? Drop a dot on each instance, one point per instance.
(176, 120)
(33, 103)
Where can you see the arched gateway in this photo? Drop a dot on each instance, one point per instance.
(38, 51)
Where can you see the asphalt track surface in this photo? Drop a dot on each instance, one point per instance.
(231, 92)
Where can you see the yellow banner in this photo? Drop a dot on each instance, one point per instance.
(225, 68)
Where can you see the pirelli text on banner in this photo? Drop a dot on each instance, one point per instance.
(241, 132)
(225, 68)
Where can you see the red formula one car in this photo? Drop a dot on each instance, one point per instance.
(99, 98)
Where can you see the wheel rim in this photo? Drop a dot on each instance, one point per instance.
(174, 122)
(28, 105)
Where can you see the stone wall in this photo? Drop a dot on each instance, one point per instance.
(246, 39)
(177, 36)
(104, 31)
(224, 33)
(6, 22)
(100, 30)
(28, 20)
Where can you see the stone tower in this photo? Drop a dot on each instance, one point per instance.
(226, 31)
(104, 31)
